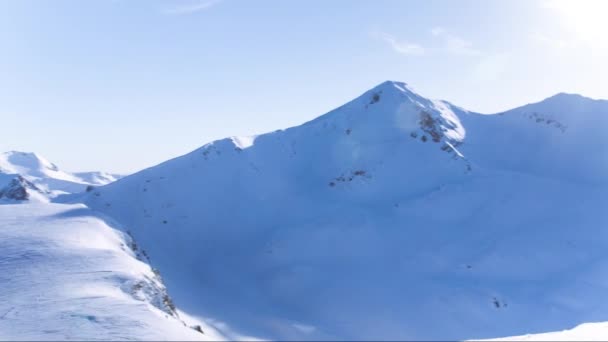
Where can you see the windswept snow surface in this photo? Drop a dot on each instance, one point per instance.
(66, 275)
(391, 217)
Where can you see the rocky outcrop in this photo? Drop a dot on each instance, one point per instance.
(18, 189)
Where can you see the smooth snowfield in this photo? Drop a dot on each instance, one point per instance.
(391, 217)
(66, 275)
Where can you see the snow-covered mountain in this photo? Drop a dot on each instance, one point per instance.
(391, 217)
(26, 176)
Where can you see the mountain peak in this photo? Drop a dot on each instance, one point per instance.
(394, 84)
(44, 177)
(568, 97)
(572, 99)
(567, 104)
(394, 87)
(22, 154)
(18, 160)
(402, 108)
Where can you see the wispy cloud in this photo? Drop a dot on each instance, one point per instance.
(402, 47)
(192, 7)
(553, 42)
(491, 67)
(437, 31)
(454, 44)
(448, 43)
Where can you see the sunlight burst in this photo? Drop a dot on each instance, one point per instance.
(587, 18)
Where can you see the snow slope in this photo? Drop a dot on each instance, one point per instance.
(44, 178)
(562, 137)
(583, 332)
(66, 275)
(384, 217)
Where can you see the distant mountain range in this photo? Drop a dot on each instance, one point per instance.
(26, 176)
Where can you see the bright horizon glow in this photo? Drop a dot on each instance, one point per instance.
(119, 86)
(587, 18)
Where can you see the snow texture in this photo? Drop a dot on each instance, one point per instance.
(66, 275)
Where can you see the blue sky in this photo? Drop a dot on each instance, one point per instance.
(120, 85)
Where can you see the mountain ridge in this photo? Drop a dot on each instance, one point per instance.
(425, 197)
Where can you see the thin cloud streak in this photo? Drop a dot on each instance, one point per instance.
(449, 43)
(454, 44)
(192, 8)
(538, 37)
(404, 48)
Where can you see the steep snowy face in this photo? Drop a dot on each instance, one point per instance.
(381, 218)
(392, 111)
(394, 108)
(27, 175)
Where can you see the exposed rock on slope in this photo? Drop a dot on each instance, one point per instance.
(18, 188)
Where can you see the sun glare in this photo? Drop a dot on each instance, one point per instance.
(586, 18)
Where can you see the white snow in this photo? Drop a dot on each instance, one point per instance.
(384, 217)
(97, 177)
(393, 217)
(33, 165)
(66, 275)
(583, 332)
(46, 176)
(243, 141)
